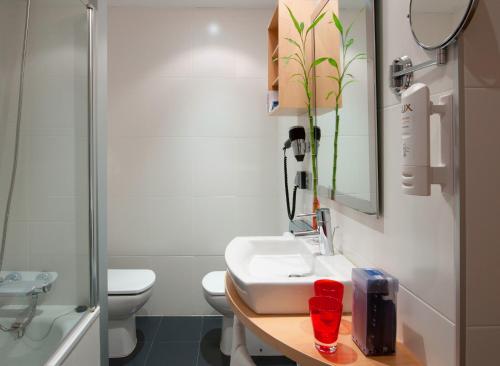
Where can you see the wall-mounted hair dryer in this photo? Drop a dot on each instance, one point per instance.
(297, 141)
(417, 174)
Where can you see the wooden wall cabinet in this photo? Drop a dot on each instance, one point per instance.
(291, 96)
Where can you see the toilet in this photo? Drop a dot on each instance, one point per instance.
(128, 291)
(214, 292)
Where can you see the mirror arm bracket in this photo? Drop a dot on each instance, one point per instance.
(402, 70)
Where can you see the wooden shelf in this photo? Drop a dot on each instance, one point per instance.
(281, 111)
(276, 83)
(272, 50)
(293, 336)
(291, 93)
(275, 53)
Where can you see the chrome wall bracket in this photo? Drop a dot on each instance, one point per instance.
(303, 179)
(402, 70)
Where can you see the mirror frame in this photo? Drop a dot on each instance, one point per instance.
(454, 35)
(371, 206)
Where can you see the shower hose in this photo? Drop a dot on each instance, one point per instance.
(16, 143)
(17, 326)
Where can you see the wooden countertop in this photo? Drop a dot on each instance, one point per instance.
(293, 336)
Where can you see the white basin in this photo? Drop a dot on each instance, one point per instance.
(275, 274)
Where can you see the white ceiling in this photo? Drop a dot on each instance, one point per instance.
(197, 3)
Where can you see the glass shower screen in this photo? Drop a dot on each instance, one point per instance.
(44, 175)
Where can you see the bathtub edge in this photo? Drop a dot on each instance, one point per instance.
(72, 339)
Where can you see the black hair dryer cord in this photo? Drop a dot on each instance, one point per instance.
(291, 213)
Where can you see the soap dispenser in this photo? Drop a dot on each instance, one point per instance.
(417, 174)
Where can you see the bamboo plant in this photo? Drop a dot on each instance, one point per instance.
(304, 78)
(342, 78)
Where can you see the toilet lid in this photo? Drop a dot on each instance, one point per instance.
(129, 281)
(213, 283)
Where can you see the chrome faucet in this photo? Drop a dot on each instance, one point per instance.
(324, 231)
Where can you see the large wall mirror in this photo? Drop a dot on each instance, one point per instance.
(356, 183)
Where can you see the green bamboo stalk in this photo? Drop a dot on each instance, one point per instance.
(304, 78)
(314, 153)
(335, 149)
(341, 84)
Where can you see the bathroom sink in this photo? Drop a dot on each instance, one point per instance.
(275, 275)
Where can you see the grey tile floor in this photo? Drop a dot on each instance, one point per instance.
(183, 341)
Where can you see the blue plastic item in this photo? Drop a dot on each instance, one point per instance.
(374, 311)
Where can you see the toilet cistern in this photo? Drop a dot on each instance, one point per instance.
(324, 232)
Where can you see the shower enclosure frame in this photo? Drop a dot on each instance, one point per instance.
(97, 253)
(92, 151)
(96, 186)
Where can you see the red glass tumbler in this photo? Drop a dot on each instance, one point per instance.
(329, 288)
(326, 313)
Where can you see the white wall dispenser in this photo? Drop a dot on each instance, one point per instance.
(417, 174)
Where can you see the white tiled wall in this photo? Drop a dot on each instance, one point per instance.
(482, 178)
(192, 152)
(48, 227)
(414, 239)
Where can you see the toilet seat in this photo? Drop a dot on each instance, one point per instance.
(129, 281)
(214, 283)
(214, 292)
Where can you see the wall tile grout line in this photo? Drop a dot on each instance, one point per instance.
(492, 326)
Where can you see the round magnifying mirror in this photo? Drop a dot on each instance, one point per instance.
(437, 23)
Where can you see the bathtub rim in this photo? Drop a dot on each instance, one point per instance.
(71, 340)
